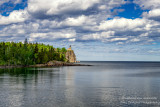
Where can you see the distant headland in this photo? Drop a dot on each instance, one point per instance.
(18, 54)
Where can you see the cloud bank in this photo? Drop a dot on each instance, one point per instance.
(81, 21)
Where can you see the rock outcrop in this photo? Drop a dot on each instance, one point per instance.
(70, 55)
(60, 63)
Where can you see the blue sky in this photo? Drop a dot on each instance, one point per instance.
(98, 30)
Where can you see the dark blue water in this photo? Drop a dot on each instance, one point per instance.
(106, 84)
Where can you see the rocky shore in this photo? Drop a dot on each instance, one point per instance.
(49, 64)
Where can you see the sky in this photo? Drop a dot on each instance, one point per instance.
(98, 30)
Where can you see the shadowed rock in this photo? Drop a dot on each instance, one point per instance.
(70, 55)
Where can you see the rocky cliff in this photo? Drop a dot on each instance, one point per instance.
(70, 56)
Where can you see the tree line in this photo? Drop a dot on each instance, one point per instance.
(12, 53)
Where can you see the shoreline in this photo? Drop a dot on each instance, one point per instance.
(49, 64)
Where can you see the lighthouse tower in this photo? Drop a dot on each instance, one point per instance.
(70, 55)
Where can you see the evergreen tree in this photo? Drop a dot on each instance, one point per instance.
(26, 41)
(12, 53)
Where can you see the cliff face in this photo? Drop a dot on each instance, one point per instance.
(70, 56)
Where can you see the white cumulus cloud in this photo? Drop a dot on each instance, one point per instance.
(62, 34)
(153, 14)
(57, 7)
(148, 4)
(122, 24)
(98, 36)
(79, 21)
(14, 17)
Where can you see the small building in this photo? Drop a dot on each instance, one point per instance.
(70, 55)
(69, 48)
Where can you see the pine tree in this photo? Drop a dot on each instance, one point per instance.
(12, 53)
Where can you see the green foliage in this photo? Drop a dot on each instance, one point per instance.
(12, 53)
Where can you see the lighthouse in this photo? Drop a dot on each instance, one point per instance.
(70, 55)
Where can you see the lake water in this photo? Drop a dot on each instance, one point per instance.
(106, 84)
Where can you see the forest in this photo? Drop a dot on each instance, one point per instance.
(12, 53)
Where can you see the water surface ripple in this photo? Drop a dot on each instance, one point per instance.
(106, 84)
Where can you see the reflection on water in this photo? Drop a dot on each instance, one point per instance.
(105, 84)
